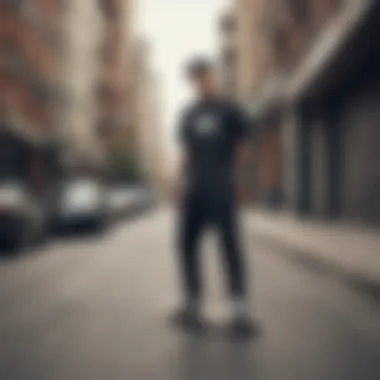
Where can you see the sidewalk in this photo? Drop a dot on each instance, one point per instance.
(352, 252)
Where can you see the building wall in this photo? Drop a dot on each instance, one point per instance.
(28, 62)
(328, 142)
(336, 169)
(146, 125)
(228, 53)
(118, 72)
(84, 29)
(154, 134)
(272, 37)
(246, 58)
(254, 59)
(136, 98)
(289, 157)
(111, 68)
(268, 141)
(359, 115)
(145, 135)
(291, 28)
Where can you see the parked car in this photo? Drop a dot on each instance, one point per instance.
(127, 201)
(81, 202)
(22, 219)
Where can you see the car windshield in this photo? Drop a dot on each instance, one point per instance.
(79, 191)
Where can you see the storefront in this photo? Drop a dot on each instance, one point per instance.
(336, 93)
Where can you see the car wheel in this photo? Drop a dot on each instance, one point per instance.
(17, 244)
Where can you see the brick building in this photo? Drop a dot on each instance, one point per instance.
(146, 129)
(65, 68)
(153, 136)
(335, 90)
(309, 71)
(93, 76)
(80, 72)
(135, 88)
(116, 92)
(112, 62)
(228, 54)
(29, 40)
(127, 93)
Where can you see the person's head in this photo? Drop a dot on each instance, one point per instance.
(202, 74)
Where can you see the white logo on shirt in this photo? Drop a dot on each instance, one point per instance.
(206, 124)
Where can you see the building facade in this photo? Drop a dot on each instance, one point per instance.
(153, 137)
(30, 43)
(228, 54)
(146, 135)
(335, 89)
(69, 69)
(117, 93)
(309, 71)
(30, 37)
(93, 76)
(80, 75)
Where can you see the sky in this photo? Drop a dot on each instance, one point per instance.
(177, 30)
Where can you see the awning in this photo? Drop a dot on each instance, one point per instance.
(333, 38)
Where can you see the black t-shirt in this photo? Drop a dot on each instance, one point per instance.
(210, 131)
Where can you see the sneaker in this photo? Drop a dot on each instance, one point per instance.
(242, 328)
(188, 319)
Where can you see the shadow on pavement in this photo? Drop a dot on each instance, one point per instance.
(7, 252)
(207, 358)
(79, 232)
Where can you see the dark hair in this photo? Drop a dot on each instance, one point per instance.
(198, 66)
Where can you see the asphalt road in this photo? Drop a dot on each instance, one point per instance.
(97, 308)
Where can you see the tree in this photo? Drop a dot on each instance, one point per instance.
(125, 167)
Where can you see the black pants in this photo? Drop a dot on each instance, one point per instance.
(212, 208)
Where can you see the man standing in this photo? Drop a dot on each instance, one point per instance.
(212, 133)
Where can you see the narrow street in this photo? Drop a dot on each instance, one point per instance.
(97, 308)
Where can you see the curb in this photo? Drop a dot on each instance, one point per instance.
(362, 284)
